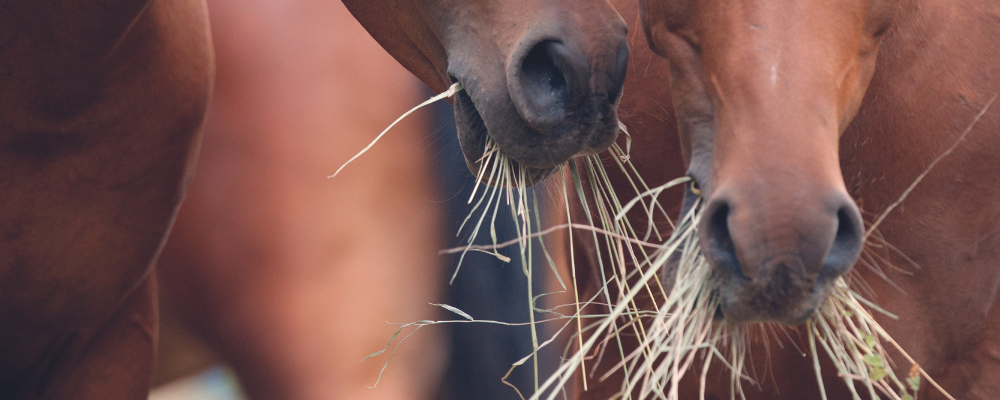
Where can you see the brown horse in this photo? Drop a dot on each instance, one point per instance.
(102, 102)
(787, 110)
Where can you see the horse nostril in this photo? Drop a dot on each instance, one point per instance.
(846, 243)
(617, 76)
(544, 71)
(556, 81)
(720, 242)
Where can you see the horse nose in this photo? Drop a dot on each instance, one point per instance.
(554, 81)
(752, 241)
(616, 76)
(847, 242)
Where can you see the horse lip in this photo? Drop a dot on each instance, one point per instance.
(474, 156)
(733, 310)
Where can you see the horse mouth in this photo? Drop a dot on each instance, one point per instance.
(788, 305)
(475, 138)
(784, 297)
(740, 310)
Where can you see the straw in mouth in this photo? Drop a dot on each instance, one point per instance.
(677, 333)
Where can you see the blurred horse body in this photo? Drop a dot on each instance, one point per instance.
(291, 277)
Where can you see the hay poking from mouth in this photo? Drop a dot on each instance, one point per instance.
(455, 88)
(658, 292)
(681, 329)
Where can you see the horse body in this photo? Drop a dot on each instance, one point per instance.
(102, 104)
(290, 276)
(934, 75)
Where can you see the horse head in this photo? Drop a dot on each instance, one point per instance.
(542, 79)
(763, 90)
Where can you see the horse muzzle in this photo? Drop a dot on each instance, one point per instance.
(568, 102)
(560, 100)
(777, 259)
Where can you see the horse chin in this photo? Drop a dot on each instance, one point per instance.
(473, 134)
(743, 303)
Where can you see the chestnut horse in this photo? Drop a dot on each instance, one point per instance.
(269, 261)
(785, 112)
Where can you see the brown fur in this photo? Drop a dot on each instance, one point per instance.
(541, 79)
(102, 105)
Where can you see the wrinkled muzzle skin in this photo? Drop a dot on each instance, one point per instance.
(541, 78)
(763, 91)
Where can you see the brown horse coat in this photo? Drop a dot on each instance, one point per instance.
(541, 79)
(102, 102)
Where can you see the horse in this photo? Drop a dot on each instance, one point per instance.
(797, 118)
(102, 107)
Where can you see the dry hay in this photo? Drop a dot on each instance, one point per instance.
(680, 332)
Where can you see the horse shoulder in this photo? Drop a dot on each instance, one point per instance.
(102, 105)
